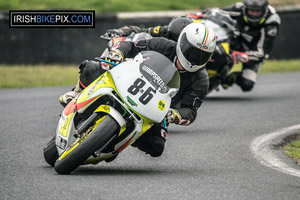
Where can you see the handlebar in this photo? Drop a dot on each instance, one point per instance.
(105, 36)
(111, 63)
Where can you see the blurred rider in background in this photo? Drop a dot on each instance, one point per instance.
(258, 24)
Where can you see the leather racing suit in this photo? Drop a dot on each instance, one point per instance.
(256, 41)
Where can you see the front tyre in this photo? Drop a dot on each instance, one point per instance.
(82, 150)
(50, 152)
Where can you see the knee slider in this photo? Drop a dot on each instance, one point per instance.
(157, 147)
(153, 145)
(245, 84)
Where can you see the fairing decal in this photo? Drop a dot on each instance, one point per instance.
(72, 107)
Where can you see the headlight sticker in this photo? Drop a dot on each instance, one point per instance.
(161, 105)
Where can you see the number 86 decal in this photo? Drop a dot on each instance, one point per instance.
(137, 86)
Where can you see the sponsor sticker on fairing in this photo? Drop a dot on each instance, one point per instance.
(161, 105)
(155, 78)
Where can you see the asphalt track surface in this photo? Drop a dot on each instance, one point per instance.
(210, 159)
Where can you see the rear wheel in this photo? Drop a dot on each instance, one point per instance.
(83, 149)
(50, 152)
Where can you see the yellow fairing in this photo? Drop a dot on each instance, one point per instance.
(225, 46)
(197, 20)
(211, 73)
(105, 80)
(103, 108)
(65, 127)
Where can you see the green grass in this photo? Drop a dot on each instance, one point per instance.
(120, 5)
(37, 76)
(275, 66)
(272, 66)
(114, 5)
(293, 150)
(55, 75)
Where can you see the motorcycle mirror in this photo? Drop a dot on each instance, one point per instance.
(172, 92)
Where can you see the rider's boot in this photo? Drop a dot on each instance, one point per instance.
(153, 141)
(111, 158)
(69, 96)
(230, 80)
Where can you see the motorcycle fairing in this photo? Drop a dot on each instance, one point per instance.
(104, 85)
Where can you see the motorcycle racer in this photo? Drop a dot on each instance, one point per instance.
(190, 54)
(258, 24)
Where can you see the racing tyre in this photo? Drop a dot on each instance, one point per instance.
(81, 151)
(50, 152)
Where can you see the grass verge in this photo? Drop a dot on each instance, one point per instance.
(293, 150)
(127, 6)
(55, 75)
(275, 66)
(37, 76)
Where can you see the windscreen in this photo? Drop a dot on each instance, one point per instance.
(159, 71)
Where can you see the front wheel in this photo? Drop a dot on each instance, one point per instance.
(83, 149)
(50, 152)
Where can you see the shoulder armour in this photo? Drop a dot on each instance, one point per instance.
(273, 19)
(239, 5)
(271, 9)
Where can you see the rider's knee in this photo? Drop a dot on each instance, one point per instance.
(245, 84)
(158, 146)
(152, 142)
(247, 80)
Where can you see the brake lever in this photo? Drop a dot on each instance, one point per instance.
(105, 37)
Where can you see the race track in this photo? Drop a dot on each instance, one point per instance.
(210, 159)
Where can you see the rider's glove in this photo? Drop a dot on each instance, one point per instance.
(240, 57)
(173, 116)
(112, 33)
(114, 56)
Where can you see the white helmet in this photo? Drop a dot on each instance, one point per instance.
(195, 46)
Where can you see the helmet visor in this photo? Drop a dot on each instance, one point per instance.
(255, 14)
(194, 55)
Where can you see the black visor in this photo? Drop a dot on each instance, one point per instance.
(193, 54)
(253, 16)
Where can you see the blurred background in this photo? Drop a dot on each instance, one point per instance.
(70, 46)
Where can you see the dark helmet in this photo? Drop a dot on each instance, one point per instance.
(255, 11)
(176, 25)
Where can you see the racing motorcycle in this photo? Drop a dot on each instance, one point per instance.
(113, 112)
